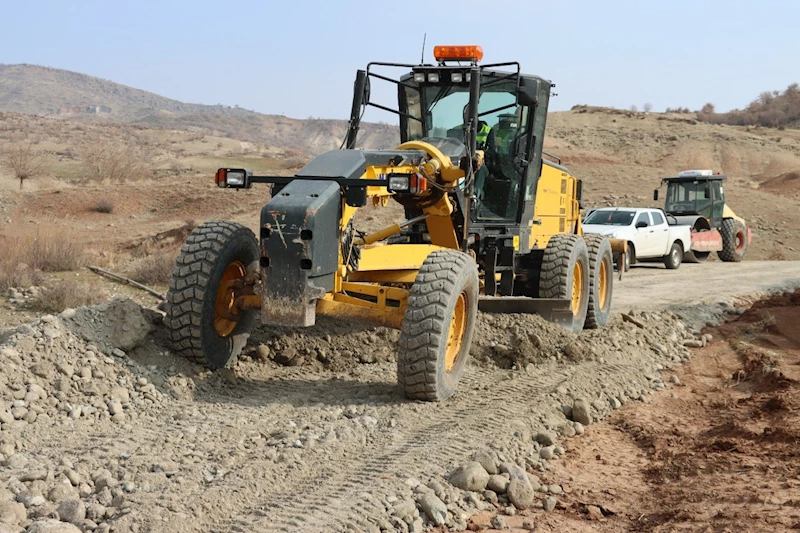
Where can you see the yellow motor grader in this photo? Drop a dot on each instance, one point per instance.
(490, 224)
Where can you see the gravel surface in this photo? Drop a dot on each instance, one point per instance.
(102, 428)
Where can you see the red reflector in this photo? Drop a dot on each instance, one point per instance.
(220, 177)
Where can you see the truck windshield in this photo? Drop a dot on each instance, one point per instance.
(689, 198)
(610, 218)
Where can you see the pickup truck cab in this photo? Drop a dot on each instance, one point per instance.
(649, 233)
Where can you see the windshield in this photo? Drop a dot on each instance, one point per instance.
(689, 198)
(610, 218)
(501, 127)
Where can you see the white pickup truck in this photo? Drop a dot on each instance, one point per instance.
(651, 233)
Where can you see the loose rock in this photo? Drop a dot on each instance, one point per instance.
(582, 412)
(434, 508)
(471, 476)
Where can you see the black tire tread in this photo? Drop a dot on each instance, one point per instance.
(187, 287)
(424, 322)
(555, 266)
(728, 231)
(594, 243)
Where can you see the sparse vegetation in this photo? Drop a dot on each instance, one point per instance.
(23, 162)
(155, 268)
(771, 109)
(63, 294)
(49, 247)
(648, 107)
(104, 205)
(106, 161)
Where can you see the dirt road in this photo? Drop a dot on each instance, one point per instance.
(329, 444)
(651, 286)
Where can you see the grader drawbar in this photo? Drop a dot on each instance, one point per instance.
(489, 224)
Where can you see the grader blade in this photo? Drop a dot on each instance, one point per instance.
(554, 310)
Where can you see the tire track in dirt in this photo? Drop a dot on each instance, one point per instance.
(322, 502)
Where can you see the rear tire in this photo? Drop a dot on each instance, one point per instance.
(565, 256)
(601, 281)
(734, 241)
(673, 259)
(213, 250)
(438, 326)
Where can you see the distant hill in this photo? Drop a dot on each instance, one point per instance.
(60, 93)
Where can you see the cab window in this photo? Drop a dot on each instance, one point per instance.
(657, 219)
(643, 217)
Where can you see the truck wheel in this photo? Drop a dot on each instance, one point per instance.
(202, 322)
(565, 274)
(693, 256)
(673, 259)
(734, 241)
(630, 257)
(438, 325)
(601, 281)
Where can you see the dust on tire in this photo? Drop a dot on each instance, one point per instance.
(191, 298)
(444, 276)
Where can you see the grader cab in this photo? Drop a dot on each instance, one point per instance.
(489, 224)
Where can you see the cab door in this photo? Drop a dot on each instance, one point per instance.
(643, 230)
(660, 233)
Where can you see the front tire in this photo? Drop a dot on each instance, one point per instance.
(673, 259)
(565, 275)
(438, 326)
(734, 241)
(601, 281)
(630, 256)
(214, 255)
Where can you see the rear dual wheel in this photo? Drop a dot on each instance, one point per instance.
(438, 326)
(601, 280)
(565, 274)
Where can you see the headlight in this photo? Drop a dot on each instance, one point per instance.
(419, 77)
(456, 77)
(399, 184)
(433, 77)
(234, 178)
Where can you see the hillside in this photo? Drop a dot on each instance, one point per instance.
(70, 95)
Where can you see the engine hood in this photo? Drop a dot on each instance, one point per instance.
(602, 229)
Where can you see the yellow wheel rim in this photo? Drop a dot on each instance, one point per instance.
(455, 335)
(224, 307)
(577, 288)
(602, 292)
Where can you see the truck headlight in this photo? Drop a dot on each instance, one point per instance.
(433, 77)
(399, 183)
(233, 178)
(456, 77)
(419, 77)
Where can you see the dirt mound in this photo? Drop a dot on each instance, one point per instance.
(788, 183)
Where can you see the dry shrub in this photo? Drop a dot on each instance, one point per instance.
(104, 206)
(64, 294)
(19, 275)
(48, 247)
(155, 268)
(104, 160)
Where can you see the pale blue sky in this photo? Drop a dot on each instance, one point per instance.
(299, 57)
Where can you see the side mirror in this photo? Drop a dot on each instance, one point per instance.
(655, 194)
(641, 224)
(528, 92)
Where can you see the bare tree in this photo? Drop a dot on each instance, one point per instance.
(23, 162)
(648, 107)
(634, 108)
